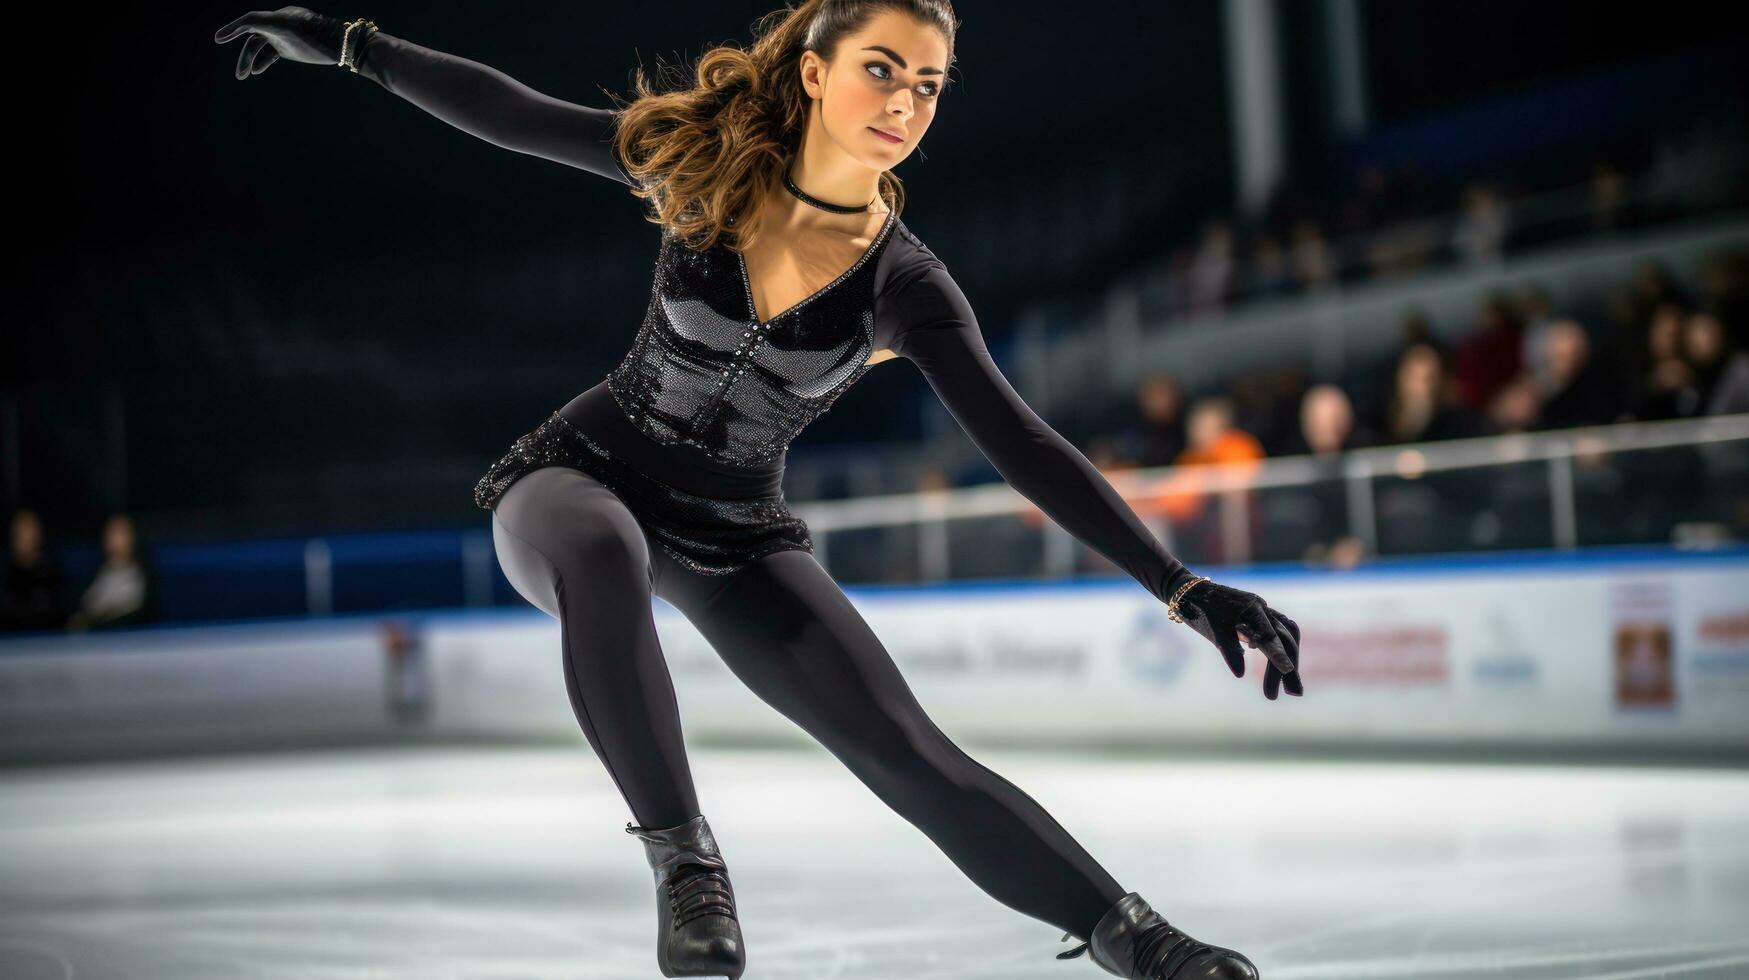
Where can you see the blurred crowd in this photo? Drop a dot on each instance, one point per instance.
(1389, 225)
(1647, 350)
(34, 593)
(1521, 366)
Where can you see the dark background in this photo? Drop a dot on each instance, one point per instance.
(303, 305)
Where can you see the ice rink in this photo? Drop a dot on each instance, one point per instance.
(512, 862)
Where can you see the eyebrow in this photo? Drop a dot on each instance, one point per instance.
(889, 52)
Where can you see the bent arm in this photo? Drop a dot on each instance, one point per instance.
(941, 337)
(487, 103)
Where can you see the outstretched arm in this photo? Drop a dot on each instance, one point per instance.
(940, 335)
(470, 96)
(942, 338)
(482, 100)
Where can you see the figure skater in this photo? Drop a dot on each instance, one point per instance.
(783, 274)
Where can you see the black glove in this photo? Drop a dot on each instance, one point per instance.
(1227, 616)
(294, 33)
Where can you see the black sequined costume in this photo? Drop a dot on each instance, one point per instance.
(709, 384)
(664, 480)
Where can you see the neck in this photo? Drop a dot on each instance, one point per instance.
(825, 173)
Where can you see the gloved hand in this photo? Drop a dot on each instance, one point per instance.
(294, 33)
(1226, 616)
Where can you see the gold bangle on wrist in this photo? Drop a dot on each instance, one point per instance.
(349, 49)
(1172, 603)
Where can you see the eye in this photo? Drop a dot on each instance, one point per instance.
(880, 69)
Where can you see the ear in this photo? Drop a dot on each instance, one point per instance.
(813, 70)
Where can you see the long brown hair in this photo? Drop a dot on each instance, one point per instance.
(705, 154)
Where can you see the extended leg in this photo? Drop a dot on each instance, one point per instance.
(573, 549)
(791, 634)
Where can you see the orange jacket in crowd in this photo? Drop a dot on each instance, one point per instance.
(1179, 497)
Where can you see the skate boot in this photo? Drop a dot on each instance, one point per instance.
(1135, 942)
(697, 933)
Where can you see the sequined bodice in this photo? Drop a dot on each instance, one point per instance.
(704, 371)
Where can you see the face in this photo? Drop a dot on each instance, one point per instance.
(1514, 407)
(1208, 422)
(1566, 350)
(1666, 326)
(887, 76)
(1418, 372)
(1704, 337)
(27, 534)
(1159, 399)
(118, 537)
(1325, 418)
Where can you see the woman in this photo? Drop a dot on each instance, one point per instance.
(121, 593)
(783, 274)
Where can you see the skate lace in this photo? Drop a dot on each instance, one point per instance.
(695, 891)
(1159, 951)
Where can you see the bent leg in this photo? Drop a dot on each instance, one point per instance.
(791, 635)
(573, 549)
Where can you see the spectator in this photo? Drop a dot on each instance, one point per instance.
(1157, 436)
(1489, 358)
(1513, 408)
(1720, 373)
(1314, 269)
(1480, 236)
(1668, 388)
(1327, 425)
(1724, 280)
(1419, 409)
(1647, 341)
(1214, 439)
(32, 598)
(1583, 391)
(1312, 520)
(1212, 277)
(1535, 312)
(121, 592)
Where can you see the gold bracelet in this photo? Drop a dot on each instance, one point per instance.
(1172, 603)
(346, 42)
(345, 38)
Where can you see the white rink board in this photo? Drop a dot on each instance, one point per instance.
(1642, 654)
(1646, 654)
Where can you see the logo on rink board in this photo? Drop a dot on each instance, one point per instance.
(1154, 648)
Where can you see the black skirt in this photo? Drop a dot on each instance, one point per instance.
(710, 517)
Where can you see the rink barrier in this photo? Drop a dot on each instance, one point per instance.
(1627, 647)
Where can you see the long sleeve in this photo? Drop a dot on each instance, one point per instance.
(939, 333)
(487, 103)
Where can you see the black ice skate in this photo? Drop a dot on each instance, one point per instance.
(1137, 943)
(697, 933)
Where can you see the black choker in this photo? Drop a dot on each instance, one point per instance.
(822, 205)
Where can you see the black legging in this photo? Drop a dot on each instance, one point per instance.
(786, 629)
